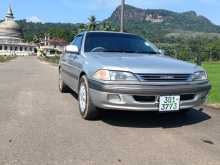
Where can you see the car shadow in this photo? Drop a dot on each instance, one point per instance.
(153, 119)
(72, 93)
(150, 119)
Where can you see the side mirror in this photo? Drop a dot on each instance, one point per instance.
(72, 49)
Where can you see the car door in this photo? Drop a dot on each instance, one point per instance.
(74, 63)
(64, 67)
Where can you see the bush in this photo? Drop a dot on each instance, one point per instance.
(4, 58)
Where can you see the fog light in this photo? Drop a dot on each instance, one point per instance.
(199, 108)
(114, 98)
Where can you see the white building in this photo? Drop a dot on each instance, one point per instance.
(11, 38)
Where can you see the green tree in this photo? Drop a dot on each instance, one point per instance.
(92, 23)
(214, 50)
(107, 26)
(36, 39)
(81, 28)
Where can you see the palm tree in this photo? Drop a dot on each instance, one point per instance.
(36, 39)
(92, 23)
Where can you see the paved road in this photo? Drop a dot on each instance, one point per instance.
(40, 126)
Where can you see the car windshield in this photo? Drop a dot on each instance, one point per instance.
(118, 42)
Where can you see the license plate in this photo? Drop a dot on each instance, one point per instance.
(169, 103)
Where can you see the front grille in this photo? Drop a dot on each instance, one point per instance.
(187, 97)
(164, 77)
(150, 99)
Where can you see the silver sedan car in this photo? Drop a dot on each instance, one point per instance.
(122, 71)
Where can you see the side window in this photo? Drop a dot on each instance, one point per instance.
(78, 41)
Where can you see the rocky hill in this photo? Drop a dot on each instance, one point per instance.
(155, 23)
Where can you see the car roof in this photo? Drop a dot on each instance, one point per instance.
(114, 32)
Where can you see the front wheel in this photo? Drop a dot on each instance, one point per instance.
(87, 110)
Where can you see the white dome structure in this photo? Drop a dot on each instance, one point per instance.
(9, 28)
(11, 37)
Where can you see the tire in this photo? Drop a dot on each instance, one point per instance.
(87, 109)
(63, 88)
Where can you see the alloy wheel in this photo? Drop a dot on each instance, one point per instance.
(82, 98)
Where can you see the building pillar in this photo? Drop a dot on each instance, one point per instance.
(0, 49)
(5, 49)
(13, 50)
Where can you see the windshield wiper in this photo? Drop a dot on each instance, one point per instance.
(144, 52)
(117, 51)
(121, 51)
(129, 51)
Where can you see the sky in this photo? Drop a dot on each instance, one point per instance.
(78, 11)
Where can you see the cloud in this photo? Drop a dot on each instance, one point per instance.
(34, 19)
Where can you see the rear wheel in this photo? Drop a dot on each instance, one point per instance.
(62, 86)
(87, 110)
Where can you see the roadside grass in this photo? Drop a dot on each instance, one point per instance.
(213, 69)
(52, 59)
(6, 58)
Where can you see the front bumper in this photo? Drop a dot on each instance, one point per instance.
(124, 97)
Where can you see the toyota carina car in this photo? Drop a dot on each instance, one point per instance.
(122, 71)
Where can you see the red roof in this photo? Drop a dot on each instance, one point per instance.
(58, 41)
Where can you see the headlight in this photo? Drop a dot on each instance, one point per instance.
(107, 75)
(199, 76)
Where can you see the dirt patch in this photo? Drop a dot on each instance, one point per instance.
(214, 106)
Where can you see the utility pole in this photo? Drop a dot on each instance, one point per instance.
(122, 15)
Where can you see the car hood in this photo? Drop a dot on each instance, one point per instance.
(142, 63)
